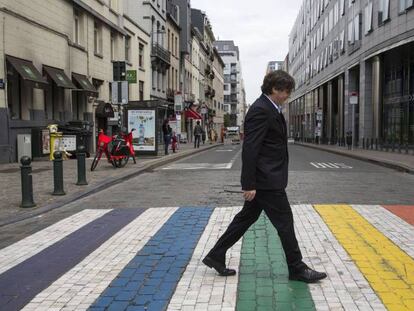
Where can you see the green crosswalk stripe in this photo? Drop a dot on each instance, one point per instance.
(263, 277)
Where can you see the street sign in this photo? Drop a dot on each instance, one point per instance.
(203, 110)
(120, 92)
(178, 102)
(353, 98)
(131, 76)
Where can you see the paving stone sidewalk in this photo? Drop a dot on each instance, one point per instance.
(42, 171)
(401, 161)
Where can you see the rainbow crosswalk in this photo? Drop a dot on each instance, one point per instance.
(150, 259)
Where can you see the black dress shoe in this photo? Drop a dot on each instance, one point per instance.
(307, 275)
(219, 267)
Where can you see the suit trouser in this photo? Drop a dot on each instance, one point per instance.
(277, 208)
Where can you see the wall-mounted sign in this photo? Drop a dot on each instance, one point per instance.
(131, 76)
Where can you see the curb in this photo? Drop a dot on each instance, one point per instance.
(384, 163)
(106, 184)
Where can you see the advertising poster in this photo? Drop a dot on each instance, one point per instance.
(45, 141)
(143, 121)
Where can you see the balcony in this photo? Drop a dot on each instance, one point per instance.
(212, 75)
(160, 55)
(208, 90)
(208, 69)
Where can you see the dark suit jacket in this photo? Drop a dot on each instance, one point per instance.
(265, 154)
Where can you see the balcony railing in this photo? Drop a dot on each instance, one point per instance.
(160, 54)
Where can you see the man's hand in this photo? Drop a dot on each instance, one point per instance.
(249, 195)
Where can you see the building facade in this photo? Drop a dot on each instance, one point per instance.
(234, 92)
(274, 65)
(353, 63)
(218, 88)
(58, 65)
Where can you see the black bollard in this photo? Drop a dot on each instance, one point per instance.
(363, 142)
(58, 174)
(376, 143)
(406, 148)
(80, 156)
(27, 182)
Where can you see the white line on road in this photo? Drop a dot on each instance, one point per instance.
(35, 243)
(82, 285)
(330, 165)
(199, 285)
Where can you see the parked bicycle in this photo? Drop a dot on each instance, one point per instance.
(118, 149)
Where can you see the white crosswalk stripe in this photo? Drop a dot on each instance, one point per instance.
(35, 243)
(82, 285)
(390, 225)
(330, 165)
(199, 284)
(345, 288)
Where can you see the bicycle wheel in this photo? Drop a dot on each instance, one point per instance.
(121, 162)
(96, 159)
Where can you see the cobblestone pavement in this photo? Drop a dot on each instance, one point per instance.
(105, 173)
(149, 259)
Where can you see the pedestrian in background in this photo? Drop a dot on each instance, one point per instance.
(349, 140)
(264, 177)
(174, 142)
(167, 135)
(203, 135)
(198, 132)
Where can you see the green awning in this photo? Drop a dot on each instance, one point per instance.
(83, 82)
(59, 77)
(27, 71)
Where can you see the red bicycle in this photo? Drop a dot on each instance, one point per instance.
(117, 149)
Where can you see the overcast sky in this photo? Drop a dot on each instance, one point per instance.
(260, 28)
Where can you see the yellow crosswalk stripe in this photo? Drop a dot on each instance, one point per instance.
(388, 269)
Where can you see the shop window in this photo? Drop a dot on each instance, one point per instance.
(14, 86)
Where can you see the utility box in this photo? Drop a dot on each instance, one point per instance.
(24, 145)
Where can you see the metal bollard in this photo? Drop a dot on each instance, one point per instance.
(58, 174)
(27, 182)
(81, 155)
(406, 148)
(399, 146)
(376, 143)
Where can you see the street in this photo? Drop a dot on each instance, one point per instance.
(139, 244)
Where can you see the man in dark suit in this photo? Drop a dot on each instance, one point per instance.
(264, 178)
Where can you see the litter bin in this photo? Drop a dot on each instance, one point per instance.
(83, 132)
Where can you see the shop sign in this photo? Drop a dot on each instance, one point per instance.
(131, 76)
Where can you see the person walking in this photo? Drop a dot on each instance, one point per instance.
(264, 177)
(167, 135)
(198, 131)
(349, 140)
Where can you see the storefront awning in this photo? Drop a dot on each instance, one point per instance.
(104, 110)
(59, 77)
(191, 114)
(84, 83)
(27, 71)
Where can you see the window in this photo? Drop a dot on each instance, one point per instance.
(342, 7)
(226, 87)
(368, 18)
(383, 11)
(127, 48)
(176, 46)
(112, 46)
(404, 5)
(141, 55)
(97, 38)
(357, 34)
(351, 38)
(76, 25)
(141, 90)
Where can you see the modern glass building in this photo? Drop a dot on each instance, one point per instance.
(353, 61)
